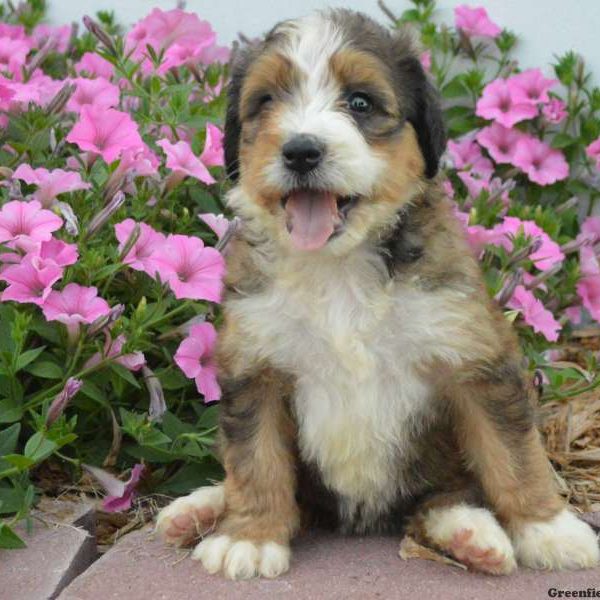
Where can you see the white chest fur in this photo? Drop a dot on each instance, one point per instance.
(354, 339)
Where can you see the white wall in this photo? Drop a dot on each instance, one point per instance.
(546, 27)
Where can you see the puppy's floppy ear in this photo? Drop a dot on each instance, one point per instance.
(241, 61)
(422, 102)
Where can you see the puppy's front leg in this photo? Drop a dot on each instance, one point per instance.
(261, 512)
(496, 425)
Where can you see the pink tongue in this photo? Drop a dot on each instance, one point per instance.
(311, 218)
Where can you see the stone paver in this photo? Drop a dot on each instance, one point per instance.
(324, 567)
(60, 546)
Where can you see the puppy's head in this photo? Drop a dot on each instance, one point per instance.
(332, 126)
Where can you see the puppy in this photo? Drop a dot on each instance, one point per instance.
(369, 382)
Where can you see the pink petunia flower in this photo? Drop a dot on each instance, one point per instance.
(589, 231)
(92, 64)
(74, 304)
(183, 161)
(192, 270)
(534, 313)
(212, 155)
(95, 92)
(183, 55)
(555, 111)
(13, 54)
(474, 182)
(218, 223)
(39, 89)
(588, 261)
(120, 494)
(107, 132)
(50, 183)
(195, 357)
(530, 87)
(498, 104)
(448, 189)
(133, 361)
(573, 313)
(499, 141)
(475, 22)
(182, 36)
(466, 154)
(150, 242)
(545, 257)
(60, 36)
(13, 32)
(542, 164)
(59, 252)
(593, 151)
(24, 224)
(31, 280)
(588, 286)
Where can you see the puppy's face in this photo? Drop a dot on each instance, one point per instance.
(331, 128)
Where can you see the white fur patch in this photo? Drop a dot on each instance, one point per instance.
(360, 392)
(564, 542)
(209, 497)
(242, 559)
(442, 525)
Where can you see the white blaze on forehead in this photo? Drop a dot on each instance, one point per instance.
(351, 166)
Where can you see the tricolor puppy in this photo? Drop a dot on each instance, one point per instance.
(369, 383)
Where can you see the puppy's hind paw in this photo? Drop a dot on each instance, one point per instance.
(563, 542)
(472, 536)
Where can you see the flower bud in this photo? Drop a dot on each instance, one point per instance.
(60, 100)
(509, 287)
(106, 321)
(130, 241)
(104, 215)
(71, 221)
(102, 36)
(158, 406)
(60, 402)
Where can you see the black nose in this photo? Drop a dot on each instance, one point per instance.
(302, 153)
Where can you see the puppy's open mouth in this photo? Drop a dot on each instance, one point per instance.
(314, 216)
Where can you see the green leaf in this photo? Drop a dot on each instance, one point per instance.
(9, 438)
(11, 499)
(563, 140)
(39, 447)
(9, 539)
(46, 370)
(173, 427)
(28, 357)
(455, 88)
(410, 16)
(18, 460)
(125, 374)
(192, 476)
(209, 417)
(91, 390)
(10, 411)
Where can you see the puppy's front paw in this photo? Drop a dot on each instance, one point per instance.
(472, 536)
(190, 517)
(563, 542)
(242, 559)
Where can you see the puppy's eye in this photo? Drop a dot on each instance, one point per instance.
(358, 102)
(264, 100)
